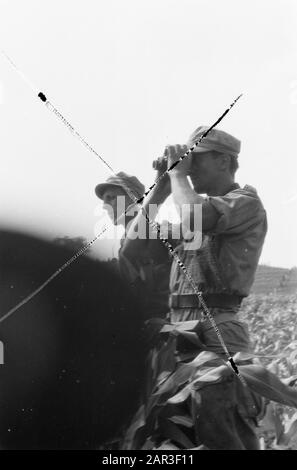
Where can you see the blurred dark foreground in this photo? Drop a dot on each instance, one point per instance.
(73, 356)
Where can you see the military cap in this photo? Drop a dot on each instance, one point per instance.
(124, 181)
(215, 140)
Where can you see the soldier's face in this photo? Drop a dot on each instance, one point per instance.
(115, 202)
(204, 171)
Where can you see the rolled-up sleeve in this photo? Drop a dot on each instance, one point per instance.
(238, 211)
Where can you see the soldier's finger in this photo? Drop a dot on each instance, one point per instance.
(180, 150)
(171, 151)
(184, 149)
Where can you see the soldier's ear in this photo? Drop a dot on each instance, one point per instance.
(223, 162)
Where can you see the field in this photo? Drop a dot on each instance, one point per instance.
(275, 280)
(270, 312)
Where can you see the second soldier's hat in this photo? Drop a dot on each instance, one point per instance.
(124, 181)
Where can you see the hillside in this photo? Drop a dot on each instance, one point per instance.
(277, 280)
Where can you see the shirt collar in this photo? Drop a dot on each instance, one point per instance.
(233, 187)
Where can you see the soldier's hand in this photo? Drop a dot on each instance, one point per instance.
(160, 165)
(173, 153)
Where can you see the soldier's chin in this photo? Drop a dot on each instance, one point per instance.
(112, 218)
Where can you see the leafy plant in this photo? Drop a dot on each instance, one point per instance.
(271, 320)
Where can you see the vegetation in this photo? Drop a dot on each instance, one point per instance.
(271, 312)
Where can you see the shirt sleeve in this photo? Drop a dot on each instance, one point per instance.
(238, 211)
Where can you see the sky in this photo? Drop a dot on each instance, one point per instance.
(133, 76)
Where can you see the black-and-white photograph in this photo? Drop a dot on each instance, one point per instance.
(148, 260)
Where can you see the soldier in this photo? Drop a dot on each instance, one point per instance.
(221, 415)
(148, 270)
